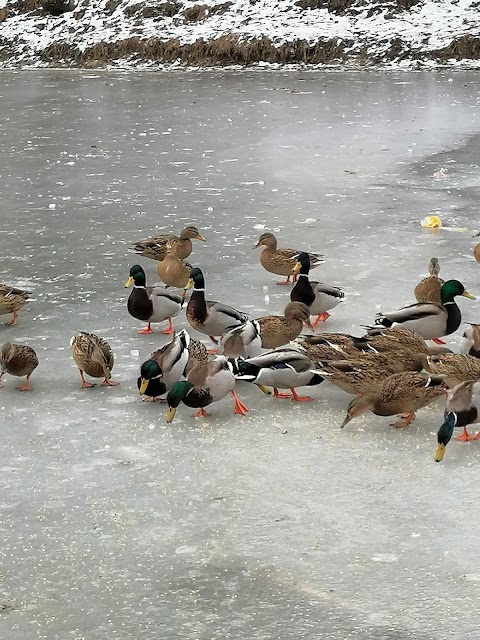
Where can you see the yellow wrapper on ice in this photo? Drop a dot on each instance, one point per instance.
(434, 222)
(431, 222)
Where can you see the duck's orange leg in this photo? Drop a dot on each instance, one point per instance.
(239, 407)
(407, 419)
(148, 329)
(13, 321)
(201, 413)
(169, 330)
(438, 341)
(276, 394)
(85, 384)
(215, 341)
(322, 317)
(26, 385)
(465, 436)
(298, 398)
(109, 383)
(287, 281)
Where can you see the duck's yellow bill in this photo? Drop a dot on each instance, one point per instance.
(468, 295)
(171, 414)
(440, 452)
(129, 282)
(189, 284)
(265, 389)
(143, 386)
(297, 267)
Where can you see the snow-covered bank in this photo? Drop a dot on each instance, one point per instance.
(202, 32)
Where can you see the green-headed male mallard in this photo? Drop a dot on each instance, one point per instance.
(207, 316)
(93, 356)
(156, 246)
(281, 261)
(463, 408)
(166, 366)
(205, 384)
(151, 304)
(429, 319)
(18, 360)
(320, 298)
(281, 368)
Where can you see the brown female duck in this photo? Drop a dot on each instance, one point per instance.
(275, 331)
(18, 360)
(281, 261)
(156, 246)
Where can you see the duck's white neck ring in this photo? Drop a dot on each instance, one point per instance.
(195, 289)
(157, 377)
(303, 275)
(445, 303)
(139, 286)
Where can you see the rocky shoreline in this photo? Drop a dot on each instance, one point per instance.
(354, 32)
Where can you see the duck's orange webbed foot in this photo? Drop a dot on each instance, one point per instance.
(276, 394)
(201, 413)
(407, 419)
(465, 436)
(298, 398)
(109, 383)
(169, 330)
(239, 407)
(147, 330)
(322, 317)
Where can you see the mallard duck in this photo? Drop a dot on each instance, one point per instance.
(281, 261)
(11, 299)
(93, 356)
(172, 270)
(400, 393)
(428, 289)
(280, 369)
(456, 367)
(471, 341)
(205, 383)
(322, 350)
(151, 304)
(18, 360)
(320, 298)
(156, 246)
(243, 341)
(170, 362)
(210, 317)
(463, 408)
(428, 319)
(360, 375)
(276, 331)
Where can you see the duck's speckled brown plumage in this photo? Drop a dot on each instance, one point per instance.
(281, 261)
(428, 289)
(172, 270)
(399, 393)
(11, 300)
(359, 375)
(275, 331)
(93, 355)
(18, 360)
(156, 246)
(457, 367)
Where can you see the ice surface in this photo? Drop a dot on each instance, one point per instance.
(279, 524)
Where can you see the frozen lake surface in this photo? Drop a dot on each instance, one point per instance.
(278, 525)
